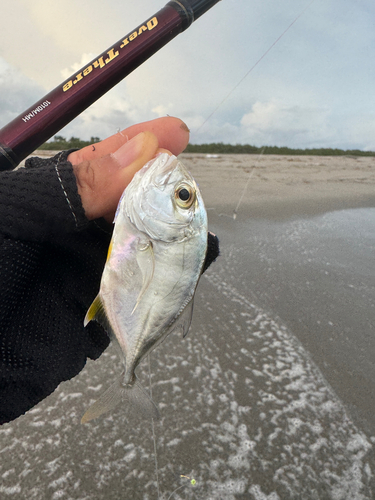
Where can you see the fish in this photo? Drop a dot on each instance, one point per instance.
(155, 259)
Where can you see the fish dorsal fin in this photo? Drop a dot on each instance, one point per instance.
(186, 317)
(146, 262)
(97, 312)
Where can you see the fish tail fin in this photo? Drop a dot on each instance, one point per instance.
(141, 402)
(134, 396)
(107, 401)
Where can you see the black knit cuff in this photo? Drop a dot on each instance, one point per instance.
(63, 169)
(41, 201)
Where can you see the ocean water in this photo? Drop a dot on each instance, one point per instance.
(317, 275)
(247, 410)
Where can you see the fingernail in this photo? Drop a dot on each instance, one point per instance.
(130, 151)
(184, 127)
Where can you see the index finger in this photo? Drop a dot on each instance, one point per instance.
(172, 134)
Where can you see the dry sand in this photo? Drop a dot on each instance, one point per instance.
(281, 186)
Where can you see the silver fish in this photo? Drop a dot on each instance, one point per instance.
(154, 262)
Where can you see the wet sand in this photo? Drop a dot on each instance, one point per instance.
(270, 396)
(266, 194)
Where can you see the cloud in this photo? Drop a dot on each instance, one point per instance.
(358, 132)
(314, 88)
(17, 92)
(273, 122)
(276, 123)
(114, 111)
(160, 110)
(85, 59)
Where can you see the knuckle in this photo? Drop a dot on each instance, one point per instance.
(85, 175)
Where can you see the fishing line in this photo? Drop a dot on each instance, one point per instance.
(179, 488)
(235, 211)
(153, 430)
(193, 482)
(255, 65)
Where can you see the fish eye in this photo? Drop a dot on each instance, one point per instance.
(184, 195)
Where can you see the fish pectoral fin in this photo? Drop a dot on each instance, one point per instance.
(97, 312)
(183, 322)
(133, 395)
(146, 262)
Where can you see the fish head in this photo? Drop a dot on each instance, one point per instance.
(164, 201)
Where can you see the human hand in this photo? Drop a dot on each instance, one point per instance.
(103, 170)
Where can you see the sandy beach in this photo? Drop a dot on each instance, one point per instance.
(271, 395)
(281, 186)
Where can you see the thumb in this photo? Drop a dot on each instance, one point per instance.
(102, 181)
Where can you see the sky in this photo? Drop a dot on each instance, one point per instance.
(314, 88)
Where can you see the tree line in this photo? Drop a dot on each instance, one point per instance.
(61, 143)
(221, 148)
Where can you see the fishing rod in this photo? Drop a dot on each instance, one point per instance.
(50, 114)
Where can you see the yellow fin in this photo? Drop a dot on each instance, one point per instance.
(97, 312)
(109, 250)
(94, 310)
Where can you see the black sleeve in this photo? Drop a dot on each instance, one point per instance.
(41, 200)
(51, 260)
